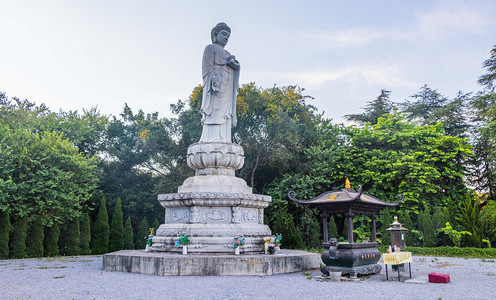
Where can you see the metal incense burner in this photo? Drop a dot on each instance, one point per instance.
(349, 258)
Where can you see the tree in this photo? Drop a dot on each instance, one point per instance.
(35, 237)
(374, 109)
(51, 243)
(116, 241)
(332, 229)
(71, 238)
(488, 80)
(142, 234)
(385, 224)
(128, 234)
(310, 229)
(283, 224)
(427, 227)
(18, 238)
(5, 229)
(429, 107)
(85, 236)
(101, 230)
(49, 178)
(408, 224)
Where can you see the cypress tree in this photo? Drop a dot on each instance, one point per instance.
(284, 225)
(34, 240)
(52, 235)
(386, 223)
(155, 224)
(18, 238)
(408, 224)
(332, 228)
(71, 238)
(101, 231)
(142, 234)
(310, 229)
(128, 234)
(427, 228)
(116, 241)
(5, 229)
(85, 235)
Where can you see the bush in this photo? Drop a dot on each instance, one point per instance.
(310, 229)
(427, 227)
(52, 235)
(142, 234)
(35, 237)
(332, 229)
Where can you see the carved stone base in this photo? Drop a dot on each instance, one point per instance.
(214, 183)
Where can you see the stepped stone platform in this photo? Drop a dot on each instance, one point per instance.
(168, 264)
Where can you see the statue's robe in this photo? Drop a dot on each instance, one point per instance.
(220, 88)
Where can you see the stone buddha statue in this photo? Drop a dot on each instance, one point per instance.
(220, 72)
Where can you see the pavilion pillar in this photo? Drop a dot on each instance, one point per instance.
(374, 228)
(325, 217)
(349, 216)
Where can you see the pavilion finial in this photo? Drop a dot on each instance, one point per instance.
(347, 184)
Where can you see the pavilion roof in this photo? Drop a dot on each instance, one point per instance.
(339, 201)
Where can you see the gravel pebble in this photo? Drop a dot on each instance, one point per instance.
(83, 278)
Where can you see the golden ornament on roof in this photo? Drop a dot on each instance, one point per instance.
(347, 184)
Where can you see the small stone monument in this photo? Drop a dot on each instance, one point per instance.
(214, 206)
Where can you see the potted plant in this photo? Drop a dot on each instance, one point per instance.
(183, 241)
(239, 241)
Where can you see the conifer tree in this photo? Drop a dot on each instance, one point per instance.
(52, 235)
(155, 224)
(85, 236)
(408, 224)
(284, 225)
(142, 234)
(18, 238)
(5, 229)
(101, 231)
(34, 240)
(116, 241)
(427, 228)
(386, 223)
(128, 234)
(71, 238)
(332, 228)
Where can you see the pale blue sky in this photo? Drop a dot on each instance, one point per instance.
(81, 54)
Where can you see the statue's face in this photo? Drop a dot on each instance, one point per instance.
(222, 37)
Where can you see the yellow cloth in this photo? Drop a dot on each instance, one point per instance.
(396, 258)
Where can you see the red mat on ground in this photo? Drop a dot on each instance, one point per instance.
(438, 278)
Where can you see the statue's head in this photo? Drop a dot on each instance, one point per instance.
(220, 28)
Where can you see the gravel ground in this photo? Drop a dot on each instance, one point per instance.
(83, 278)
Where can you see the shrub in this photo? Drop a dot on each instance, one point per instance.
(128, 234)
(142, 234)
(284, 224)
(5, 229)
(85, 236)
(18, 238)
(101, 231)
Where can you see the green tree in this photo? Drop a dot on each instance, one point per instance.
(49, 179)
(386, 221)
(35, 237)
(310, 229)
(5, 229)
(155, 224)
(51, 243)
(18, 238)
(408, 224)
(128, 234)
(374, 109)
(101, 230)
(116, 241)
(488, 80)
(71, 238)
(85, 236)
(142, 234)
(427, 227)
(283, 224)
(332, 229)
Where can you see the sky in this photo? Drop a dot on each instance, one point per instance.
(75, 55)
